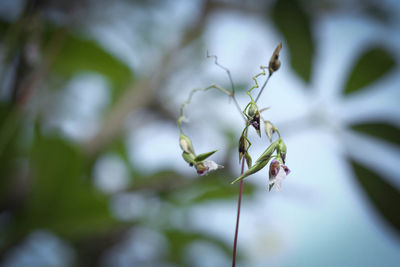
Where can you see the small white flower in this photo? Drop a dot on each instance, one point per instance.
(212, 166)
(206, 167)
(277, 173)
(277, 180)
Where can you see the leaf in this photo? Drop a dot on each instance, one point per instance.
(295, 25)
(372, 65)
(79, 54)
(179, 240)
(61, 199)
(204, 156)
(182, 191)
(381, 130)
(219, 189)
(10, 153)
(384, 197)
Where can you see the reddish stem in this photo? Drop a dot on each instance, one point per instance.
(237, 217)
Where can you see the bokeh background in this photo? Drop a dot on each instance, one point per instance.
(91, 172)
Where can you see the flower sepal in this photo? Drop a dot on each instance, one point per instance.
(186, 144)
(189, 158)
(204, 156)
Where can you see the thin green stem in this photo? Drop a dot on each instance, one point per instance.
(225, 69)
(262, 88)
(255, 81)
(214, 86)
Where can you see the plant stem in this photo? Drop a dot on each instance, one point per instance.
(262, 88)
(237, 217)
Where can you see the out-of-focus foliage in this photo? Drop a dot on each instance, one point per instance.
(294, 23)
(179, 240)
(8, 153)
(381, 130)
(61, 196)
(371, 66)
(381, 193)
(78, 54)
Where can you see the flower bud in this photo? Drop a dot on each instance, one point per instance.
(242, 147)
(189, 158)
(252, 110)
(248, 159)
(261, 162)
(266, 155)
(186, 144)
(282, 150)
(254, 116)
(274, 62)
(269, 129)
(255, 122)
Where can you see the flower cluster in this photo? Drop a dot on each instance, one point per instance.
(277, 169)
(251, 114)
(199, 162)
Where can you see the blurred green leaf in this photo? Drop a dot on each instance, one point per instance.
(3, 28)
(118, 146)
(384, 197)
(215, 186)
(8, 147)
(179, 240)
(372, 65)
(183, 191)
(218, 189)
(79, 54)
(61, 199)
(295, 25)
(382, 130)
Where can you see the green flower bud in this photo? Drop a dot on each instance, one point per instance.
(248, 159)
(261, 162)
(242, 147)
(186, 144)
(252, 110)
(189, 158)
(269, 129)
(254, 117)
(266, 155)
(282, 150)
